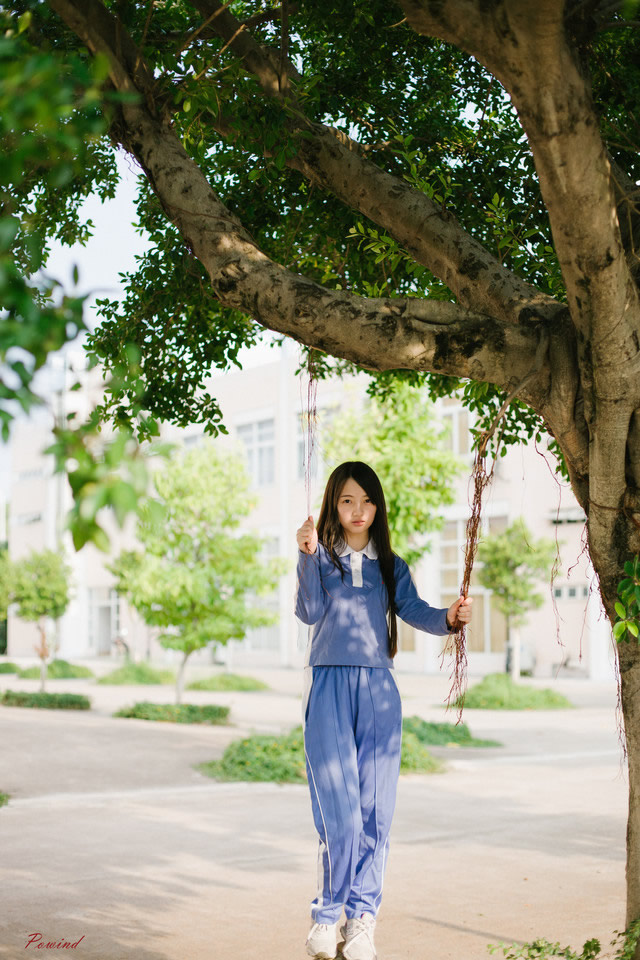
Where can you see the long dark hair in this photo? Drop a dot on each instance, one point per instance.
(331, 535)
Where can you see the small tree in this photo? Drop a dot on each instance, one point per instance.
(400, 438)
(512, 562)
(197, 577)
(40, 586)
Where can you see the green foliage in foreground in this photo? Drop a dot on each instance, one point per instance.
(444, 734)
(46, 701)
(57, 670)
(4, 799)
(280, 759)
(175, 712)
(227, 682)
(497, 691)
(625, 944)
(134, 673)
(10, 668)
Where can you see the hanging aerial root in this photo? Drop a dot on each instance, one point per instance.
(456, 645)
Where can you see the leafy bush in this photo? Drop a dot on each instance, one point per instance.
(280, 759)
(175, 712)
(8, 667)
(134, 673)
(542, 949)
(415, 758)
(260, 758)
(46, 701)
(444, 734)
(227, 681)
(497, 691)
(57, 670)
(4, 799)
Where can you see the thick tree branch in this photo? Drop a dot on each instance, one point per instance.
(380, 334)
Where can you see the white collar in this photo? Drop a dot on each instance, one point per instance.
(368, 550)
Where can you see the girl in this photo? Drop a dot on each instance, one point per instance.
(350, 588)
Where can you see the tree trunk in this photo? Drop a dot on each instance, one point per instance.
(514, 637)
(180, 677)
(43, 652)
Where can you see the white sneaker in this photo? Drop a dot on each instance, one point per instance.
(322, 942)
(358, 935)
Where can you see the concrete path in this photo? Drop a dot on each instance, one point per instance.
(111, 835)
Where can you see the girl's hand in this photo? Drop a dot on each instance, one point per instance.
(307, 537)
(459, 613)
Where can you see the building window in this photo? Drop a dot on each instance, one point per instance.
(104, 619)
(456, 418)
(26, 519)
(259, 442)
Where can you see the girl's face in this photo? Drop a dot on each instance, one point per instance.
(355, 509)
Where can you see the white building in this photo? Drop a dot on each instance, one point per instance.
(262, 408)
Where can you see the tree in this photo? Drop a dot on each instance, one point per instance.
(437, 188)
(39, 586)
(197, 578)
(404, 445)
(512, 563)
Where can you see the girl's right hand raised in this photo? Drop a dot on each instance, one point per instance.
(307, 537)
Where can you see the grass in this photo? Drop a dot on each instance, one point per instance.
(218, 682)
(444, 734)
(175, 712)
(57, 670)
(137, 673)
(9, 667)
(4, 799)
(497, 691)
(46, 701)
(280, 759)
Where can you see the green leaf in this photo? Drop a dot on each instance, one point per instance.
(619, 629)
(620, 610)
(632, 627)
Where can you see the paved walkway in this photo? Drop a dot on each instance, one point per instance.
(112, 836)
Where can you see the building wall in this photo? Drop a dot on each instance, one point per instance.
(262, 407)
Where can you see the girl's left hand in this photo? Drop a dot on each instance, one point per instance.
(460, 612)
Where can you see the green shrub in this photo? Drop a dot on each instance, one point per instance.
(271, 758)
(134, 673)
(415, 758)
(281, 759)
(625, 944)
(444, 734)
(4, 799)
(57, 670)
(8, 667)
(497, 691)
(175, 712)
(227, 681)
(46, 701)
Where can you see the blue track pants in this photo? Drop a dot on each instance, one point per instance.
(353, 734)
